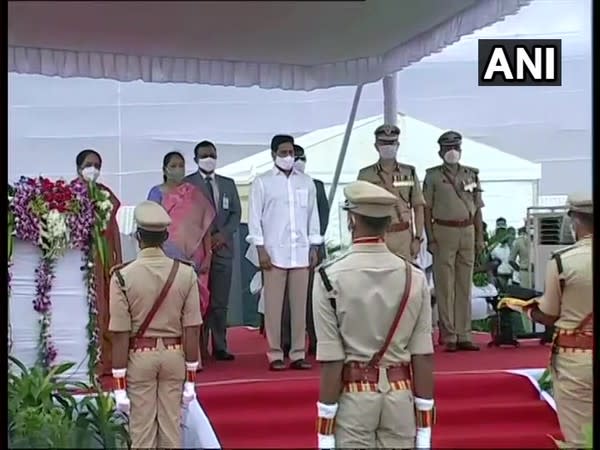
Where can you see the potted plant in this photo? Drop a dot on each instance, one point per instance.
(43, 412)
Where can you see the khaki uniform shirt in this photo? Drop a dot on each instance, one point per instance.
(369, 282)
(575, 301)
(402, 182)
(442, 198)
(144, 279)
(521, 249)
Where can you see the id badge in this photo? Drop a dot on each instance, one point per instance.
(225, 202)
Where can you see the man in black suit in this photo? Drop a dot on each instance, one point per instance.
(223, 194)
(323, 207)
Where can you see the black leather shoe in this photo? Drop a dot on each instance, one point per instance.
(223, 355)
(467, 347)
(277, 366)
(451, 347)
(301, 364)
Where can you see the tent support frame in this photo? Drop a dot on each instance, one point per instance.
(390, 116)
(347, 133)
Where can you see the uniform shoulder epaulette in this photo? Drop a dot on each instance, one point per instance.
(562, 251)
(184, 261)
(367, 168)
(431, 169)
(326, 264)
(472, 169)
(119, 267)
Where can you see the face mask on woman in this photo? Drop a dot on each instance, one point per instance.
(175, 174)
(90, 173)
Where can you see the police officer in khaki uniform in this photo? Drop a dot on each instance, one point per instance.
(403, 237)
(154, 320)
(454, 235)
(372, 314)
(567, 304)
(519, 258)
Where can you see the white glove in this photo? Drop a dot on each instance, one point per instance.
(122, 401)
(423, 436)
(326, 441)
(189, 393)
(189, 387)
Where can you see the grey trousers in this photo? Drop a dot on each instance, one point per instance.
(216, 319)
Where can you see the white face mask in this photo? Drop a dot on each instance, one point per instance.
(300, 165)
(286, 163)
(388, 151)
(452, 156)
(207, 165)
(90, 173)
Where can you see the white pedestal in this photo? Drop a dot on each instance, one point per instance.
(69, 309)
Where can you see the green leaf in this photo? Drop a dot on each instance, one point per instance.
(588, 431)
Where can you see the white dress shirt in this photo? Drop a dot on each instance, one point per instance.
(283, 217)
(502, 253)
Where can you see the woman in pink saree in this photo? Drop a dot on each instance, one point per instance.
(192, 215)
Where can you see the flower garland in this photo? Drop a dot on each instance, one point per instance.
(57, 216)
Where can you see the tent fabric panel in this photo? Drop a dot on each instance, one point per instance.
(418, 147)
(68, 60)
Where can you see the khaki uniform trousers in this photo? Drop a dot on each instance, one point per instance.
(453, 277)
(376, 420)
(398, 242)
(155, 387)
(275, 281)
(524, 279)
(573, 389)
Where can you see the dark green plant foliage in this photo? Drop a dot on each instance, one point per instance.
(43, 413)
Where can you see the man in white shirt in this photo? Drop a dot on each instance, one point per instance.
(283, 224)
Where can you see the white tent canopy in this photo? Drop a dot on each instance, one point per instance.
(288, 45)
(510, 184)
(418, 147)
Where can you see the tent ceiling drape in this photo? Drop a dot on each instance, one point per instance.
(288, 45)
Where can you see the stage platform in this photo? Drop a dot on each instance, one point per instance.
(249, 347)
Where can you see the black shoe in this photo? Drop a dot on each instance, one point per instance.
(467, 347)
(277, 366)
(451, 347)
(301, 364)
(223, 355)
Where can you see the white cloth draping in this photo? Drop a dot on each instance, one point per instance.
(69, 310)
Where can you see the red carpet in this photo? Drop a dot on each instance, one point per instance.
(251, 363)
(485, 408)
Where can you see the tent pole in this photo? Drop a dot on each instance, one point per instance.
(390, 99)
(342, 157)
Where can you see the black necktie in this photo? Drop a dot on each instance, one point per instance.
(211, 191)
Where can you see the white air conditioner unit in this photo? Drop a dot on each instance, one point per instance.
(550, 233)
